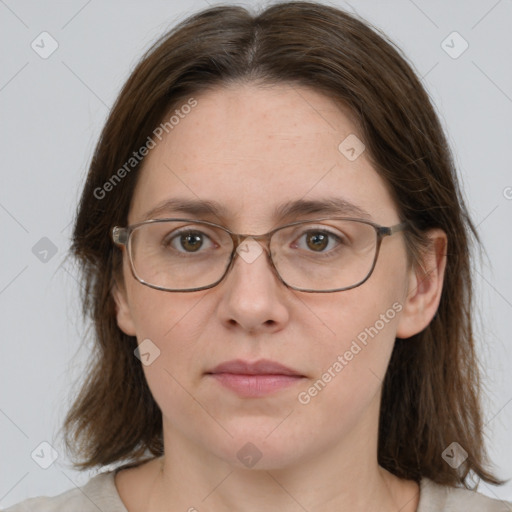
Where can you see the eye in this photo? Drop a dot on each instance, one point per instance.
(188, 241)
(318, 240)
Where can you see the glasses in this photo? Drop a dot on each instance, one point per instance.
(322, 255)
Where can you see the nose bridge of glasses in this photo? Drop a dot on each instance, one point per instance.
(262, 240)
(249, 248)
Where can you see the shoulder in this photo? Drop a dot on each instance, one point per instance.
(99, 493)
(440, 498)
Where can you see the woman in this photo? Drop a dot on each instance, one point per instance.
(275, 255)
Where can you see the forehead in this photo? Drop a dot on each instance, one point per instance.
(251, 149)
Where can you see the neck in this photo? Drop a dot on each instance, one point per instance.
(347, 477)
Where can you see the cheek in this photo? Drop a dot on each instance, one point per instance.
(352, 358)
(168, 327)
(159, 315)
(361, 342)
(343, 395)
(165, 327)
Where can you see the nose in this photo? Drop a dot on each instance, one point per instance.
(252, 295)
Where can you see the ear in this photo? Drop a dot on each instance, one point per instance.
(425, 285)
(123, 312)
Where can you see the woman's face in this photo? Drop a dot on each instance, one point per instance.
(252, 149)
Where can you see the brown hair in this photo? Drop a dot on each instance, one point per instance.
(431, 390)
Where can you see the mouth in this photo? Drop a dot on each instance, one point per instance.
(256, 379)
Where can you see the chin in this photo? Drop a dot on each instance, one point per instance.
(259, 449)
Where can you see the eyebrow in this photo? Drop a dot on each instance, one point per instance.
(287, 210)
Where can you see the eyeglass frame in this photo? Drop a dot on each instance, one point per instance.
(121, 237)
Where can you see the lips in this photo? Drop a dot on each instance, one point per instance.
(254, 380)
(261, 367)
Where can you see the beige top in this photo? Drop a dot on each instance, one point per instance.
(100, 493)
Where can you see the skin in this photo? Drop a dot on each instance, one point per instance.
(251, 148)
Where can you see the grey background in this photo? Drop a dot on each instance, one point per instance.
(52, 111)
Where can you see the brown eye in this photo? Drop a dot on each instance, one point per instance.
(317, 241)
(191, 242)
(187, 241)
